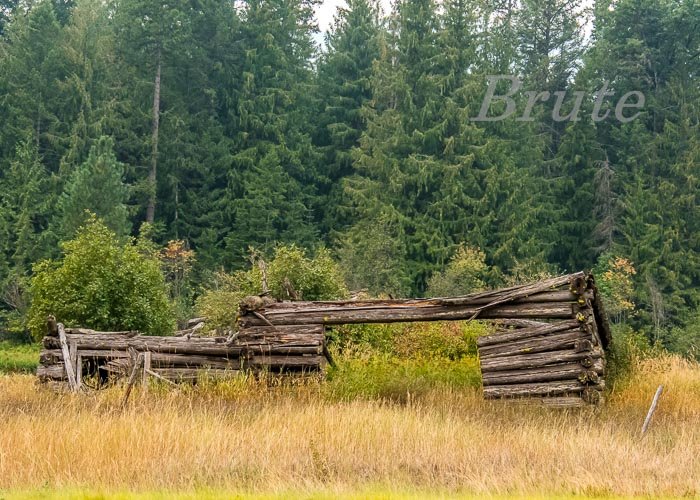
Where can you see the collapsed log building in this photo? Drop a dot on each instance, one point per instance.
(548, 344)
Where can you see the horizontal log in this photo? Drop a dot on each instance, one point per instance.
(536, 389)
(569, 339)
(88, 331)
(425, 311)
(181, 374)
(548, 401)
(566, 371)
(171, 345)
(539, 360)
(526, 333)
(286, 361)
(51, 372)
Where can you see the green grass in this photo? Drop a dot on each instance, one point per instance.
(18, 357)
(395, 379)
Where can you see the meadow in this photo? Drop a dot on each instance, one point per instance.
(321, 439)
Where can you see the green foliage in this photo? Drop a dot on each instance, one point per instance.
(447, 341)
(95, 187)
(398, 380)
(290, 275)
(627, 348)
(18, 357)
(465, 273)
(614, 281)
(101, 283)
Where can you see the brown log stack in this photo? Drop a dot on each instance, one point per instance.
(550, 345)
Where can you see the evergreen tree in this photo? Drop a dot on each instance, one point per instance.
(95, 187)
(344, 84)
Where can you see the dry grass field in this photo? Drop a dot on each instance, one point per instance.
(295, 441)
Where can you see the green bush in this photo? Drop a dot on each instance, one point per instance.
(465, 273)
(398, 379)
(449, 340)
(101, 283)
(290, 275)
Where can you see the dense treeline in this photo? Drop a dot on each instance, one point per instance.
(227, 126)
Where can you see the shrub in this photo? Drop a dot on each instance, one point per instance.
(465, 273)
(101, 283)
(290, 275)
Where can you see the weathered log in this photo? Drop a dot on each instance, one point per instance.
(177, 374)
(536, 389)
(171, 345)
(286, 361)
(566, 371)
(506, 323)
(51, 372)
(570, 339)
(526, 333)
(88, 331)
(392, 313)
(539, 360)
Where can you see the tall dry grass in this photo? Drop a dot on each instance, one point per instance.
(239, 435)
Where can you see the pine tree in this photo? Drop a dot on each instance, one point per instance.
(344, 84)
(95, 187)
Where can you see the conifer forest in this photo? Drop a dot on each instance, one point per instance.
(520, 138)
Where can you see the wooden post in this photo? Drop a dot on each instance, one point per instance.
(146, 367)
(652, 409)
(67, 361)
(132, 379)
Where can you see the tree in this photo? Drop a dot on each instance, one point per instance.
(101, 283)
(154, 34)
(96, 187)
(344, 73)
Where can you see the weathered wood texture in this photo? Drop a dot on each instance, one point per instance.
(549, 343)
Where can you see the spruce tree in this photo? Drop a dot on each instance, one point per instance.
(95, 187)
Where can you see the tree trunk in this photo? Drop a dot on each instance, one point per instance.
(152, 175)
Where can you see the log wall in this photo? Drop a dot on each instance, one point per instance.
(549, 346)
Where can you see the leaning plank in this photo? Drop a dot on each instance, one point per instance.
(587, 359)
(67, 362)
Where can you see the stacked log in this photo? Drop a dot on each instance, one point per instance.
(550, 345)
(555, 361)
(108, 354)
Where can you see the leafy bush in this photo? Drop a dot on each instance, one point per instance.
(466, 272)
(614, 277)
(450, 340)
(289, 275)
(101, 283)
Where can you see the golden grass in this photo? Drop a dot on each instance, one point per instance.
(239, 436)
